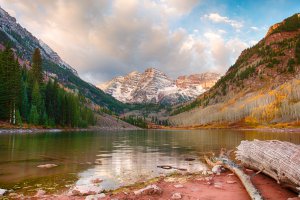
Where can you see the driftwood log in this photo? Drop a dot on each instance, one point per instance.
(277, 159)
(237, 170)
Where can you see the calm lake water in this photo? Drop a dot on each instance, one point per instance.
(117, 158)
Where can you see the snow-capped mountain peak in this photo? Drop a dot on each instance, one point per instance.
(154, 86)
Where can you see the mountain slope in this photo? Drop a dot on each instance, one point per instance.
(153, 86)
(261, 87)
(24, 43)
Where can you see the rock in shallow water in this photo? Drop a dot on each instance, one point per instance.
(97, 180)
(47, 166)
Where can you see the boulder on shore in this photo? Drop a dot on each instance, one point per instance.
(2, 192)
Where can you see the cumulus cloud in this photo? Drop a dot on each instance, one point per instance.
(103, 39)
(217, 18)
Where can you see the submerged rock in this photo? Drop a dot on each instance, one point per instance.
(149, 190)
(189, 159)
(165, 166)
(47, 166)
(97, 180)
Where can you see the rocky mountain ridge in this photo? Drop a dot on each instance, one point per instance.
(153, 86)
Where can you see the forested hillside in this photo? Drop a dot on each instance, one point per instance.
(261, 87)
(26, 97)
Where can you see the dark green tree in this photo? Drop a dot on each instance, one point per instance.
(34, 116)
(36, 68)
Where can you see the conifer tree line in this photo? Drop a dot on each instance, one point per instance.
(26, 98)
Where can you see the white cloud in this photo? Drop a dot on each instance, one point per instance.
(103, 39)
(254, 28)
(217, 18)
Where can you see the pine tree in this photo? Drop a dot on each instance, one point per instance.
(36, 69)
(10, 85)
(36, 96)
(24, 104)
(34, 116)
(19, 119)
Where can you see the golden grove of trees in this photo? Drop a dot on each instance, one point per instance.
(278, 105)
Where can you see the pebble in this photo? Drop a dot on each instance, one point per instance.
(230, 182)
(40, 193)
(149, 190)
(47, 166)
(2, 192)
(176, 195)
(13, 194)
(95, 197)
(218, 185)
(76, 193)
(217, 169)
(209, 172)
(178, 186)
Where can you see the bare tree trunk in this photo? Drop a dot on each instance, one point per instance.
(14, 114)
(280, 160)
(238, 171)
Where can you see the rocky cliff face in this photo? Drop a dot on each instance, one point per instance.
(153, 86)
(25, 43)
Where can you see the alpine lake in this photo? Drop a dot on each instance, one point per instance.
(112, 158)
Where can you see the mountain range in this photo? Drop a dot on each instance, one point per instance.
(154, 86)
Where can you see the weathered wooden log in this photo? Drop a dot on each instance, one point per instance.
(238, 171)
(277, 159)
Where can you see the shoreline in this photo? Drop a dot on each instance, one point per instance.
(224, 186)
(295, 129)
(57, 130)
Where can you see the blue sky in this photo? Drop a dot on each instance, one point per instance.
(108, 38)
(252, 13)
